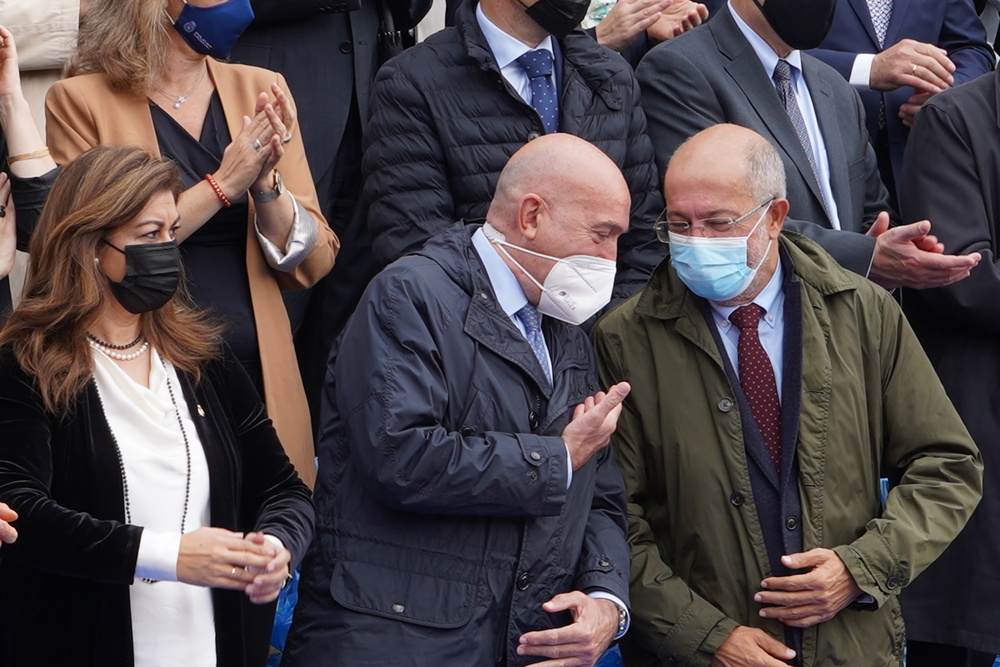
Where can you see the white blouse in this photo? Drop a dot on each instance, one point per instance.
(172, 623)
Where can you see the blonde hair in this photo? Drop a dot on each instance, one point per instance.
(65, 290)
(126, 40)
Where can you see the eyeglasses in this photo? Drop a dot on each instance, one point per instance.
(709, 227)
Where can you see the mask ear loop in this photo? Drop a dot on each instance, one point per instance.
(497, 238)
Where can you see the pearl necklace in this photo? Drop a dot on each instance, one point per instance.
(118, 355)
(121, 461)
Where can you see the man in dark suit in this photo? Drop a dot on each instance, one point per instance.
(897, 54)
(738, 68)
(328, 52)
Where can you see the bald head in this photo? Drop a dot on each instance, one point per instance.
(559, 196)
(730, 157)
(559, 169)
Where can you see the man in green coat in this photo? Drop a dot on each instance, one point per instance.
(771, 389)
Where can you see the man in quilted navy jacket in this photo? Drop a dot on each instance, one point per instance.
(447, 114)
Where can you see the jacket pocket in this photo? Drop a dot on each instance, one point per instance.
(423, 599)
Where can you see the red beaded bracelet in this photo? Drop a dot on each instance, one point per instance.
(218, 191)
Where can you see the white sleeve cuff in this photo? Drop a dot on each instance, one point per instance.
(604, 595)
(301, 241)
(569, 466)
(861, 72)
(275, 541)
(158, 554)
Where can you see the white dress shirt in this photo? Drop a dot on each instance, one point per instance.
(507, 50)
(769, 59)
(511, 298)
(172, 623)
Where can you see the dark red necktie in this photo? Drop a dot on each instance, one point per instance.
(757, 379)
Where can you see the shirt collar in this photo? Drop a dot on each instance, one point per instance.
(508, 291)
(765, 298)
(768, 58)
(506, 49)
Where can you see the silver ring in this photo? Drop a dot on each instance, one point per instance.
(288, 137)
(257, 145)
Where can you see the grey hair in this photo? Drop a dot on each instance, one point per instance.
(765, 172)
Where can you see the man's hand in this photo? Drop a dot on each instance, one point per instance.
(580, 644)
(910, 63)
(750, 647)
(908, 111)
(910, 256)
(814, 597)
(678, 18)
(627, 19)
(7, 532)
(593, 422)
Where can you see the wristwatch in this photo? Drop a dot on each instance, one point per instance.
(262, 197)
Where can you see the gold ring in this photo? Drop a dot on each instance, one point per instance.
(913, 72)
(232, 574)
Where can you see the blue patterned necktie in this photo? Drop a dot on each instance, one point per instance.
(783, 84)
(532, 322)
(881, 12)
(538, 66)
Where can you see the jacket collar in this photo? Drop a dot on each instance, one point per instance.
(581, 55)
(665, 296)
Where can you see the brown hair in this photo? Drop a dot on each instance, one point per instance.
(125, 40)
(65, 290)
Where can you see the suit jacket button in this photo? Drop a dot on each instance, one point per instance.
(533, 135)
(523, 581)
(346, 47)
(736, 499)
(791, 523)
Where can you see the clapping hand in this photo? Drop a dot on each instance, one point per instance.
(8, 533)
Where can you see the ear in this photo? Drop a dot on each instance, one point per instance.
(776, 217)
(532, 213)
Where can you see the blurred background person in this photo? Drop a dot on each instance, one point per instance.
(328, 53)
(898, 54)
(30, 169)
(132, 445)
(952, 171)
(251, 223)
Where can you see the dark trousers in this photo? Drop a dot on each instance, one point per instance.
(926, 654)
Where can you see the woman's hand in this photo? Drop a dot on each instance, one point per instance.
(269, 581)
(7, 532)
(626, 20)
(10, 75)
(8, 246)
(219, 558)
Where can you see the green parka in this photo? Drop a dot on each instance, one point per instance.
(871, 406)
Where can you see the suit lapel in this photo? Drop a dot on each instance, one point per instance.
(860, 8)
(829, 112)
(896, 20)
(748, 73)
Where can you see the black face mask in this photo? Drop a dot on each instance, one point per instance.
(152, 272)
(799, 25)
(558, 17)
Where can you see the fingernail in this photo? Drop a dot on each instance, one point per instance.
(757, 598)
(762, 614)
(763, 584)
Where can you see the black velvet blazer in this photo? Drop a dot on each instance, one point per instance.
(64, 596)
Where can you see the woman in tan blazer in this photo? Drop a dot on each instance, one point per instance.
(142, 75)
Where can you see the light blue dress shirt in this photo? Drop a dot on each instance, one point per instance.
(769, 59)
(771, 327)
(507, 50)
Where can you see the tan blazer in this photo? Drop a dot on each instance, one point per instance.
(83, 111)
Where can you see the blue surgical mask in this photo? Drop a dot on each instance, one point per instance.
(715, 268)
(213, 31)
